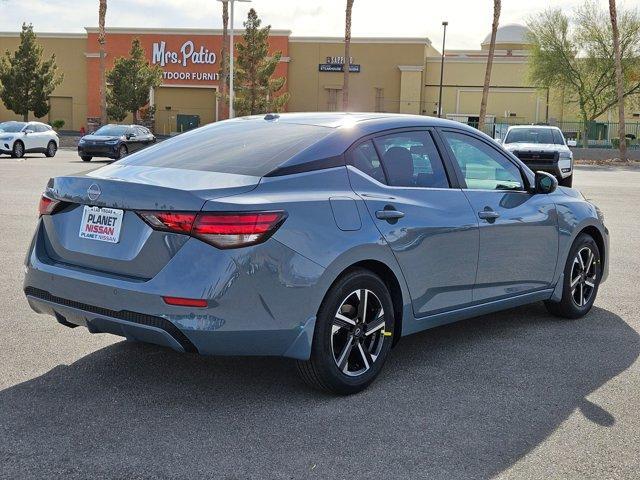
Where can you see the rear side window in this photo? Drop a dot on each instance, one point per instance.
(365, 159)
(411, 159)
(241, 147)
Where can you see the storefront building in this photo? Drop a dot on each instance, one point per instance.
(398, 75)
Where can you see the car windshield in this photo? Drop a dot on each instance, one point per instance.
(12, 127)
(533, 135)
(112, 131)
(244, 147)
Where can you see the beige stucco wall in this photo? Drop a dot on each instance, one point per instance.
(511, 92)
(183, 100)
(71, 95)
(379, 69)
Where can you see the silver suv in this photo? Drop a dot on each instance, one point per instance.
(542, 148)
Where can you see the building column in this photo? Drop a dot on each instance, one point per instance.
(410, 88)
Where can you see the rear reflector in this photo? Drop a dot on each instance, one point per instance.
(185, 302)
(47, 205)
(220, 229)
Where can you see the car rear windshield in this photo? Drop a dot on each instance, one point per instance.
(12, 127)
(244, 147)
(534, 135)
(112, 131)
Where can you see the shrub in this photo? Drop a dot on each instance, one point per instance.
(57, 124)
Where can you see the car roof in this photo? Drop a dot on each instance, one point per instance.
(528, 127)
(346, 119)
(346, 128)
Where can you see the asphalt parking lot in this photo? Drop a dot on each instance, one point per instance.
(518, 394)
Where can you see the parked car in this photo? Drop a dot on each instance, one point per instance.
(115, 141)
(320, 237)
(542, 147)
(18, 138)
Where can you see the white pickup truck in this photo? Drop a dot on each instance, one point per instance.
(541, 147)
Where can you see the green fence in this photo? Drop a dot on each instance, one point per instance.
(599, 134)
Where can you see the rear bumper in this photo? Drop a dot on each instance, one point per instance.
(259, 303)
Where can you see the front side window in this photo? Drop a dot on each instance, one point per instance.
(482, 167)
(411, 159)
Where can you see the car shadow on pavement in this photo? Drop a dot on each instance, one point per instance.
(461, 401)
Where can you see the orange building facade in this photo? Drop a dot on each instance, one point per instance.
(190, 62)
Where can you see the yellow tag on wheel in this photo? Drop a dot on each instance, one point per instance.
(386, 334)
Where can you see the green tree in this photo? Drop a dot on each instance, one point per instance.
(28, 81)
(577, 56)
(131, 81)
(256, 90)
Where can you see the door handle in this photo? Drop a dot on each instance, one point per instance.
(390, 215)
(489, 215)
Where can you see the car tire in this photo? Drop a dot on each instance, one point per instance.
(123, 151)
(348, 353)
(18, 149)
(582, 274)
(566, 182)
(52, 148)
(86, 158)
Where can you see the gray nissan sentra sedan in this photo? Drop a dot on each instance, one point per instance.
(319, 237)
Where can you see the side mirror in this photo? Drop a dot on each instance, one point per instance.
(28, 131)
(572, 143)
(545, 183)
(130, 136)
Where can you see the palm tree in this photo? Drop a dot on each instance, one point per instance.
(619, 80)
(347, 56)
(487, 76)
(102, 14)
(224, 62)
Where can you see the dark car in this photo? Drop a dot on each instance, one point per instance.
(114, 141)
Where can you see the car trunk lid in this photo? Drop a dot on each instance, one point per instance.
(139, 252)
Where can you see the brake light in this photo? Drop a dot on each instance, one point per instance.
(47, 205)
(220, 229)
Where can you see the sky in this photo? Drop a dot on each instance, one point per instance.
(469, 20)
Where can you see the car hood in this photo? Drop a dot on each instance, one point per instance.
(11, 134)
(536, 147)
(99, 138)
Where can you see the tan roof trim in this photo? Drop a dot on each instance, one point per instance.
(46, 35)
(483, 60)
(411, 68)
(175, 31)
(399, 40)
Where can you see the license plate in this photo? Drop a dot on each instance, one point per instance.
(103, 224)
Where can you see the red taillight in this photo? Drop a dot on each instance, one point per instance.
(173, 222)
(47, 205)
(185, 302)
(220, 229)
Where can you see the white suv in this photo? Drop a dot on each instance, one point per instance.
(18, 138)
(541, 147)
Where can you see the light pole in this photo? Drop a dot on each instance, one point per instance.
(231, 52)
(444, 37)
